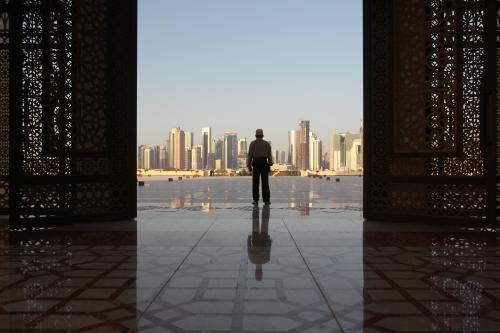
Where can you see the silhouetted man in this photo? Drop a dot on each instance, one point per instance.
(259, 160)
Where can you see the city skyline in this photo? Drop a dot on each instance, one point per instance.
(197, 136)
(247, 65)
(305, 151)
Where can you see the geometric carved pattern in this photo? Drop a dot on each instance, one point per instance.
(498, 113)
(424, 81)
(426, 55)
(90, 85)
(75, 79)
(58, 117)
(46, 200)
(4, 107)
(34, 161)
(428, 200)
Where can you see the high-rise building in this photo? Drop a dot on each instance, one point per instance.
(155, 159)
(140, 156)
(230, 158)
(189, 137)
(163, 158)
(242, 146)
(303, 152)
(219, 149)
(276, 156)
(170, 150)
(346, 152)
(179, 147)
(211, 161)
(325, 164)
(206, 142)
(188, 159)
(283, 157)
(147, 158)
(196, 163)
(242, 153)
(293, 142)
(317, 154)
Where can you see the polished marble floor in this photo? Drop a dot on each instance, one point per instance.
(240, 269)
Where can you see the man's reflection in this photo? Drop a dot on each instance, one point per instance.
(259, 242)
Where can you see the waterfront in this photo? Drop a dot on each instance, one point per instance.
(290, 192)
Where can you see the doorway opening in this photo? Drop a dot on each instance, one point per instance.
(210, 74)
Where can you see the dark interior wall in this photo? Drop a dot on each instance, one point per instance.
(430, 131)
(73, 109)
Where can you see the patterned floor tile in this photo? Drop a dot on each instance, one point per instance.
(235, 270)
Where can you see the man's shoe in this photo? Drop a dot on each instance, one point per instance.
(255, 202)
(267, 202)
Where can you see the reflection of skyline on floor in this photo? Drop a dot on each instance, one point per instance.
(196, 272)
(300, 194)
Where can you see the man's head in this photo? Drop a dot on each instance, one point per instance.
(259, 133)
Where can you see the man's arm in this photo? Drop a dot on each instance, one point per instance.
(250, 156)
(270, 155)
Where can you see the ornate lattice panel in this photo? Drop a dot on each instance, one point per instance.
(425, 60)
(424, 86)
(76, 118)
(498, 113)
(4, 107)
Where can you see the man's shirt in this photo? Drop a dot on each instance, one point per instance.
(259, 148)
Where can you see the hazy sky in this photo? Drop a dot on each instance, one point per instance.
(238, 65)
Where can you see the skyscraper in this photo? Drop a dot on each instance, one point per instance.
(140, 156)
(312, 162)
(196, 157)
(170, 150)
(147, 158)
(230, 158)
(331, 151)
(189, 139)
(303, 152)
(155, 159)
(179, 147)
(242, 146)
(188, 159)
(293, 148)
(317, 148)
(219, 149)
(346, 152)
(242, 153)
(163, 158)
(206, 142)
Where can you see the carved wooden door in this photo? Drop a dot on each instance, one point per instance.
(68, 95)
(431, 111)
(4, 108)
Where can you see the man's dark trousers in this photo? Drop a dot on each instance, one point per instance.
(260, 171)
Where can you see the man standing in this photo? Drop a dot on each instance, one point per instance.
(260, 159)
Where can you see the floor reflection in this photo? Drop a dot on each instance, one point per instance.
(259, 242)
(67, 280)
(198, 272)
(431, 282)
